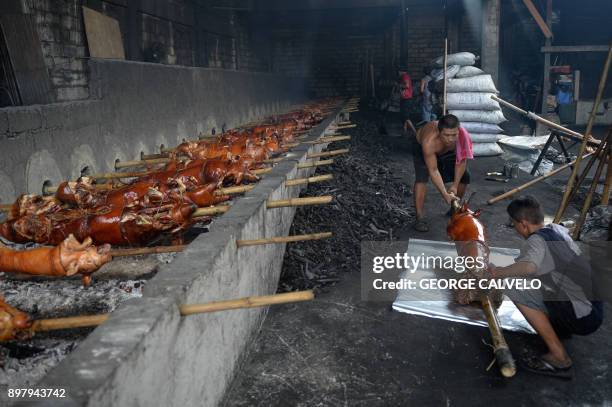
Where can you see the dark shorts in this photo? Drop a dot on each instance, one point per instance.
(563, 318)
(446, 165)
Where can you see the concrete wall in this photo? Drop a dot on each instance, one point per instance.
(137, 107)
(146, 354)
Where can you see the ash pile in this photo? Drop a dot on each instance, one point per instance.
(369, 205)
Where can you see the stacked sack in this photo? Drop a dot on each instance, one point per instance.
(468, 96)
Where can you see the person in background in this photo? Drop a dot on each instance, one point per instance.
(427, 104)
(406, 93)
(564, 304)
(440, 151)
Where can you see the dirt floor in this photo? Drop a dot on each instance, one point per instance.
(341, 351)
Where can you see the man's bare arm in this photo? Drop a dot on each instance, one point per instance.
(459, 171)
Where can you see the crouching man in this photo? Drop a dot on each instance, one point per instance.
(563, 305)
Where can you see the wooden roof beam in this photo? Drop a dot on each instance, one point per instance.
(538, 18)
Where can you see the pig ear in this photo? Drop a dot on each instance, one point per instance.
(477, 213)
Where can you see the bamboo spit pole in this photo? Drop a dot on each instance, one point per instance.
(239, 243)
(583, 146)
(111, 175)
(309, 180)
(314, 164)
(137, 163)
(298, 181)
(84, 321)
(542, 120)
(348, 126)
(328, 153)
(283, 239)
(315, 200)
(220, 209)
(504, 358)
(325, 140)
(533, 181)
(5, 207)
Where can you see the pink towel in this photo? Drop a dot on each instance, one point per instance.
(464, 146)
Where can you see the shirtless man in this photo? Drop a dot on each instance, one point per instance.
(434, 151)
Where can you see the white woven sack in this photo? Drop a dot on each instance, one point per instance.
(460, 58)
(468, 71)
(471, 101)
(477, 127)
(486, 149)
(483, 116)
(480, 83)
(486, 138)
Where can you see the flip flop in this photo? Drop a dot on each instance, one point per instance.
(421, 225)
(538, 365)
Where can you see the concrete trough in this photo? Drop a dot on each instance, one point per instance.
(146, 353)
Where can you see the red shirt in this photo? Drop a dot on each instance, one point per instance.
(407, 82)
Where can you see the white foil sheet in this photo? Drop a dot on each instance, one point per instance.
(419, 301)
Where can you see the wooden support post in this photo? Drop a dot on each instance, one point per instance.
(589, 197)
(444, 104)
(570, 182)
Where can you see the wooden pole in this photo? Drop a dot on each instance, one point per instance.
(139, 251)
(328, 153)
(315, 200)
(605, 196)
(248, 302)
(445, 67)
(137, 163)
(533, 181)
(314, 164)
(543, 121)
(49, 190)
(309, 180)
(111, 175)
(234, 190)
(570, 182)
(83, 321)
(348, 126)
(600, 154)
(589, 197)
(210, 211)
(325, 140)
(284, 239)
(504, 358)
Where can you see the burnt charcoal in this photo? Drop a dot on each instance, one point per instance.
(370, 204)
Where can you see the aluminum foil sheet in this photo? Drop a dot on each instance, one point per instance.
(419, 302)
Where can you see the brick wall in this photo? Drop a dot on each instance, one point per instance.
(61, 32)
(182, 35)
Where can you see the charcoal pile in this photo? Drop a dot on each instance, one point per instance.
(369, 205)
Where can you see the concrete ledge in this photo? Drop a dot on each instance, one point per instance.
(146, 354)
